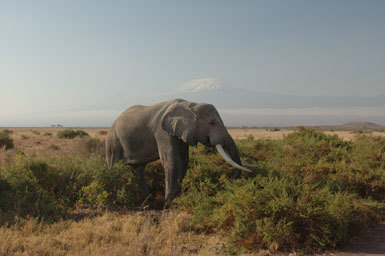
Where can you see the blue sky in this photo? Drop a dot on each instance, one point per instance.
(68, 55)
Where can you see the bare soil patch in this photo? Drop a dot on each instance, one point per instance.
(371, 242)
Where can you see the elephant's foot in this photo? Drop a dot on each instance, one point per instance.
(169, 200)
(167, 204)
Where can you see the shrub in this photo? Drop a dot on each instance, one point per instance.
(5, 140)
(22, 196)
(102, 132)
(267, 212)
(81, 133)
(53, 147)
(8, 131)
(359, 132)
(47, 134)
(311, 192)
(49, 189)
(70, 134)
(117, 187)
(35, 132)
(46, 190)
(154, 176)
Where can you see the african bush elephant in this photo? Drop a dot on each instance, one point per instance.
(143, 134)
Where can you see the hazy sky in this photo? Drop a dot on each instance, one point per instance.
(66, 55)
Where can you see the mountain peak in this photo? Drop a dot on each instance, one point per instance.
(203, 84)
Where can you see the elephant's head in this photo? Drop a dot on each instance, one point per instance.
(193, 123)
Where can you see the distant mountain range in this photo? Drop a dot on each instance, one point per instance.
(355, 125)
(222, 95)
(360, 125)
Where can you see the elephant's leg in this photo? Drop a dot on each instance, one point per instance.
(184, 154)
(172, 188)
(170, 156)
(139, 172)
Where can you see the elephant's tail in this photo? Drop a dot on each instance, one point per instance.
(113, 148)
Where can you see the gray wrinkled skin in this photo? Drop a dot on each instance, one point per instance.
(164, 131)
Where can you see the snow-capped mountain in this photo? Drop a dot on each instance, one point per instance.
(222, 95)
(202, 85)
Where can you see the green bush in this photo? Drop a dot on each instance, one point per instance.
(310, 192)
(264, 212)
(46, 190)
(113, 188)
(5, 140)
(49, 189)
(81, 133)
(70, 134)
(21, 195)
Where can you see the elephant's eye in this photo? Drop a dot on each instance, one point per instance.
(212, 123)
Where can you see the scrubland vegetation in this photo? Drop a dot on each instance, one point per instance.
(310, 192)
(70, 134)
(5, 141)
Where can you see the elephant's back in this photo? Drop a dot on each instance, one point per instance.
(136, 113)
(133, 109)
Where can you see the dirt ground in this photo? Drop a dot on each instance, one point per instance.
(370, 243)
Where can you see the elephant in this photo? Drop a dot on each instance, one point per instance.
(142, 134)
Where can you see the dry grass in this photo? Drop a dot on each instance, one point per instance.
(262, 133)
(140, 233)
(43, 143)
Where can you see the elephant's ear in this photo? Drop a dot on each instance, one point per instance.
(180, 121)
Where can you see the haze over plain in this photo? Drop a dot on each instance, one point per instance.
(261, 63)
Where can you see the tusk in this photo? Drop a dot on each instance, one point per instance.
(229, 160)
(249, 165)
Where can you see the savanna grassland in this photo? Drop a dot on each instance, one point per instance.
(311, 192)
